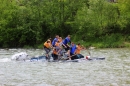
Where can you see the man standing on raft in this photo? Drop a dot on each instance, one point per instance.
(65, 43)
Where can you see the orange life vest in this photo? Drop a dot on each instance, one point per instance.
(47, 45)
(60, 40)
(54, 51)
(78, 48)
(57, 44)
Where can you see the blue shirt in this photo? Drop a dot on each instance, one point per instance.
(54, 41)
(66, 40)
(72, 49)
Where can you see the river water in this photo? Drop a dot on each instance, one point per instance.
(113, 71)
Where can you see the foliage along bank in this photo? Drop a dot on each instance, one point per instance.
(92, 22)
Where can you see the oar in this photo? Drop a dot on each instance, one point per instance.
(71, 56)
(59, 57)
(89, 52)
(90, 55)
(68, 57)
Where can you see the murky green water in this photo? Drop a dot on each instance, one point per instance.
(113, 71)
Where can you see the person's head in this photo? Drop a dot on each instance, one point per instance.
(68, 36)
(72, 43)
(78, 43)
(60, 37)
(57, 36)
(48, 41)
(58, 41)
(49, 38)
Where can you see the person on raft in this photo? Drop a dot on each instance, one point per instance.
(78, 50)
(75, 51)
(56, 50)
(55, 40)
(72, 51)
(65, 43)
(47, 47)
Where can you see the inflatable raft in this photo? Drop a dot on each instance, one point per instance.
(75, 58)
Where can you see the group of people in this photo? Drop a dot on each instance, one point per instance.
(58, 45)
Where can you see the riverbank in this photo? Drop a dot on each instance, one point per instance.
(92, 45)
(88, 45)
(108, 45)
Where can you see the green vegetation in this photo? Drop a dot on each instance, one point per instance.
(98, 23)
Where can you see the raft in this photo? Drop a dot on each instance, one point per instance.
(75, 58)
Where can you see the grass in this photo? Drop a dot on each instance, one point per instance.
(107, 41)
(127, 44)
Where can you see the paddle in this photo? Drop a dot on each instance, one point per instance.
(71, 56)
(89, 53)
(59, 57)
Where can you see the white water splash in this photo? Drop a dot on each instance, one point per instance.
(5, 60)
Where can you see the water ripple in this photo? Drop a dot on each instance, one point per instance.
(113, 71)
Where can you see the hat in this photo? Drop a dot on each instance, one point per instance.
(48, 40)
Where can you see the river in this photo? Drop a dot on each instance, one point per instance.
(113, 71)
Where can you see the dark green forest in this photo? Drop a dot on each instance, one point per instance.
(99, 23)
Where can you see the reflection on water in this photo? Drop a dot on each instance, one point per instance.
(113, 71)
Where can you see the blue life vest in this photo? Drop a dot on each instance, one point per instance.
(72, 49)
(54, 41)
(66, 40)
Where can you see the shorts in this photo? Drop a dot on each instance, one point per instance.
(57, 48)
(47, 50)
(73, 56)
(55, 57)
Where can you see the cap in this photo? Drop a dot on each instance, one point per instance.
(48, 40)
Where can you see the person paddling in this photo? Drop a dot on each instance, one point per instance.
(65, 43)
(78, 49)
(58, 47)
(60, 40)
(75, 51)
(55, 54)
(55, 40)
(72, 51)
(47, 48)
